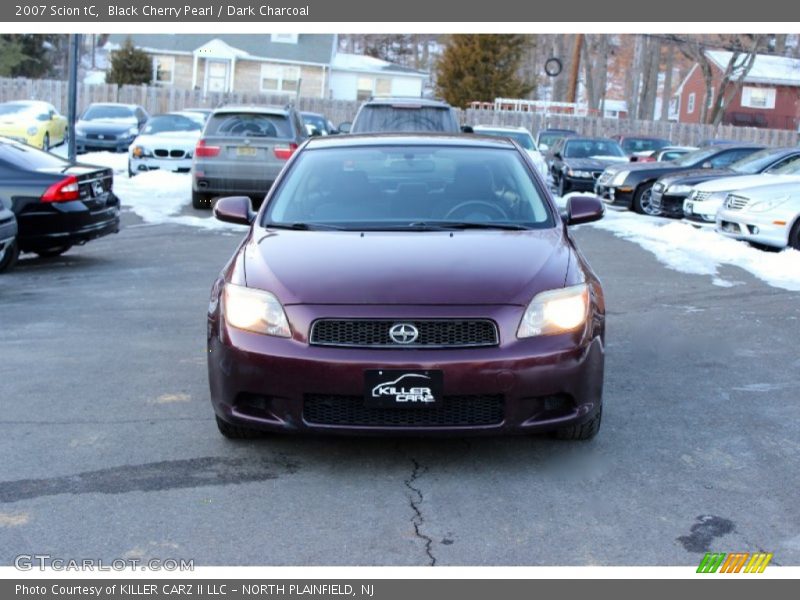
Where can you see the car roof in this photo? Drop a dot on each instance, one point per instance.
(408, 139)
(308, 113)
(114, 104)
(557, 130)
(395, 100)
(641, 137)
(590, 139)
(519, 128)
(251, 108)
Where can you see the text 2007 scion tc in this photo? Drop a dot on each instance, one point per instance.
(407, 284)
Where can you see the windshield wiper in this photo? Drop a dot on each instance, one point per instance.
(470, 225)
(299, 226)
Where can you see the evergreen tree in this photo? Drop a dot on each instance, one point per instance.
(481, 67)
(25, 55)
(130, 66)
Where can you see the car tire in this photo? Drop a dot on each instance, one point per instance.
(52, 252)
(235, 432)
(9, 256)
(46, 142)
(563, 187)
(200, 200)
(584, 431)
(641, 201)
(794, 236)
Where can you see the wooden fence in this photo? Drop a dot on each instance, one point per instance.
(164, 99)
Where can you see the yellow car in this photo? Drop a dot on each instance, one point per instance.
(33, 122)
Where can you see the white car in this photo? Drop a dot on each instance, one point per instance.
(768, 215)
(520, 135)
(701, 205)
(167, 142)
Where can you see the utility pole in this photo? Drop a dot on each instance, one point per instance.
(572, 90)
(74, 43)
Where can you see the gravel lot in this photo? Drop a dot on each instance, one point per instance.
(110, 449)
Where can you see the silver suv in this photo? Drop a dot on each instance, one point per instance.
(397, 114)
(241, 151)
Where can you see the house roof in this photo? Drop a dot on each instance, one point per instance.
(310, 48)
(767, 68)
(369, 64)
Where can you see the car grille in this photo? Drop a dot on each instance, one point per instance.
(699, 196)
(101, 136)
(374, 333)
(596, 174)
(162, 153)
(454, 411)
(734, 202)
(605, 177)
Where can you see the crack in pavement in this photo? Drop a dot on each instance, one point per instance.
(418, 520)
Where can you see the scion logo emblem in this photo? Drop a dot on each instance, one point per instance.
(403, 333)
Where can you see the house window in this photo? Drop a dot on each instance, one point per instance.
(758, 97)
(280, 79)
(364, 88)
(164, 69)
(690, 103)
(367, 86)
(284, 38)
(383, 86)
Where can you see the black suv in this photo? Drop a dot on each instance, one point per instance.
(386, 115)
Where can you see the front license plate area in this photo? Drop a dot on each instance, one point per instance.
(403, 388)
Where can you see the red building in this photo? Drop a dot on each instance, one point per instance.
(770, 95)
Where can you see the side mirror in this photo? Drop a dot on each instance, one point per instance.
(467, 129)
(584, 209)
(557, 155)
(543, 147)
(706, 165)
(345, 127)
(234, 209)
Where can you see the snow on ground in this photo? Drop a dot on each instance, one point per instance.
(688, 249)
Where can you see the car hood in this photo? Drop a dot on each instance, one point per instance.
(695, 176)
(16, 127)
(652, 168)
(727, 184)
(185, 140)
(774, 190)
(465, 267)
(99, 126)
(595, 162)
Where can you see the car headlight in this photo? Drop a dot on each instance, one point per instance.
(620, 178)
(140, 152)
(254, 310)
(79, 131)
(132, 131)
(32, 130)
(679, 190)
(555, 311)
(765, 205)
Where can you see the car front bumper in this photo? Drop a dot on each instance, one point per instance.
(701, 213)
(270, 383)
(579, 184)
(144, 164)
(46, 225)
(670, 205)
(615, 195)
(85, 144)
(770, 228)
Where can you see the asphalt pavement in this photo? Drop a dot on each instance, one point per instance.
(109, 447)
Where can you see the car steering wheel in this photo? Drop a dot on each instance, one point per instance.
(493, 208)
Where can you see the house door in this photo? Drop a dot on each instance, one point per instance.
(217, 76)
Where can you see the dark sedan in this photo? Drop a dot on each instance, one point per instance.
(110, 126)
(8, 238)
(57, 204)
(670, 191)
(396, 284)
(631, 185)
(638, 146)
(578, 162)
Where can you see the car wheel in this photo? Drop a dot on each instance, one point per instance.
(234, 432)
(46, 142)
(584, 431)
(794, 236)
(563, 187)
(52, 252)
(8, 256)
(641, 201)
(200, 200)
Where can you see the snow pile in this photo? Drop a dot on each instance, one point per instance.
(702, 251)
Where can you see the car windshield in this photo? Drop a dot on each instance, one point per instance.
(790, 168)
(168, 123)
(409, 187)
(548, 138)
(411, 117)
(755, 163)
(692, 158)
(317, 122)
(29, 158)
(523, 138)
(634, 145)
(591, 148)
(247, 124)
(19, 109)
(100, 112)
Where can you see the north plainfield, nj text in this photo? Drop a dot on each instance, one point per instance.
(211, 11)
